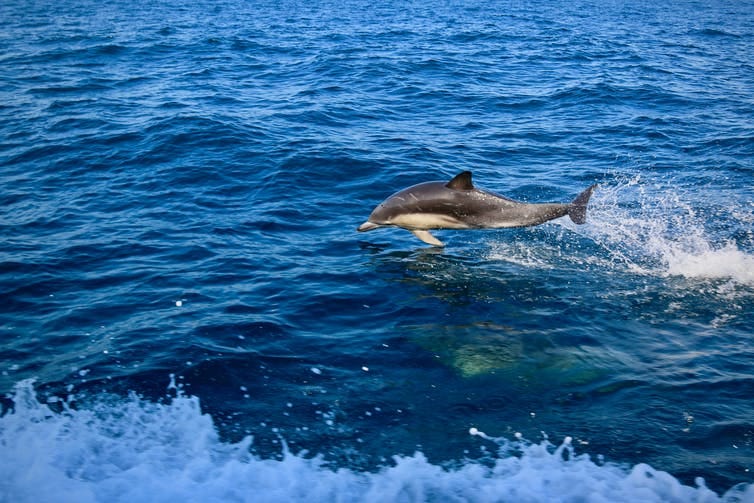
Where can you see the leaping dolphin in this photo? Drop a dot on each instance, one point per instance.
(457, 204)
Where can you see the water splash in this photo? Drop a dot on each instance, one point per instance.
(652, 228)
(655, 229)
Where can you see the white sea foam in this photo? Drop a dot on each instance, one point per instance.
(141, 451)
(727, 261)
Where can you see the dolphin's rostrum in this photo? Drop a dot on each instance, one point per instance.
(457, 204)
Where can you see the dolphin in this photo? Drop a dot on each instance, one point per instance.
(457, 204)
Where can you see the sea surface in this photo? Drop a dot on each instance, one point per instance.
(187, 312)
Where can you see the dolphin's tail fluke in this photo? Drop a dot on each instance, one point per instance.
(577, 208)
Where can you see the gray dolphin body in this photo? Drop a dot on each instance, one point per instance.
(457, 204)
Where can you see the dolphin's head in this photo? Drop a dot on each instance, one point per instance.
(406, 207)
(368, 226)
(380, 217)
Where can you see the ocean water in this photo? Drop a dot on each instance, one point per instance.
(188, 313)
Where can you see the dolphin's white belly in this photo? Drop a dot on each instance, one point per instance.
(428, 221)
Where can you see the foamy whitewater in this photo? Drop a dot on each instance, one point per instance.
(166, 452)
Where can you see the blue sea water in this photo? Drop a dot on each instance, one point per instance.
(188, 313)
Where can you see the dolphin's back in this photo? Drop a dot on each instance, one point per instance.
(473, 206)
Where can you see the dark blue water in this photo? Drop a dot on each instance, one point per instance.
(187, 312)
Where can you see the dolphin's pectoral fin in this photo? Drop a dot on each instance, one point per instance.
(427, 238)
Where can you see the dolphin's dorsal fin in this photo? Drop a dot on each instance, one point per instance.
(462, 181)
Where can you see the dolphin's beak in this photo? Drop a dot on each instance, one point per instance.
(367, 226)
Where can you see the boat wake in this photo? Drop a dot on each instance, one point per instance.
(135, 450)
